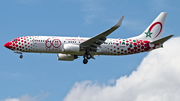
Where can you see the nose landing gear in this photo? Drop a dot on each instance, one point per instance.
(19, 52)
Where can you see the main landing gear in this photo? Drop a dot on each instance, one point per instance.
(86, 57)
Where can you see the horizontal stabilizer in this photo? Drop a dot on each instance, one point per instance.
(162, 40)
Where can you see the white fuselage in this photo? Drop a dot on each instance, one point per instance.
(51, 44)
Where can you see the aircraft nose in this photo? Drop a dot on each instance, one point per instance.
(8, 45)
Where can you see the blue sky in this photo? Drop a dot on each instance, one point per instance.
(41, 77)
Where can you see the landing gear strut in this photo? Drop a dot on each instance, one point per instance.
(21, 56)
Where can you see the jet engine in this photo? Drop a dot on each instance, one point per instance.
(71, 48)
(66, 57)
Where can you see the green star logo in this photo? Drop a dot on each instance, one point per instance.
(130, 45)
(148, 34)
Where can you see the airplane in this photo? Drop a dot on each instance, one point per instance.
(69, 48)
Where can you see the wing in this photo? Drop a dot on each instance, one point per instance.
(96, 41)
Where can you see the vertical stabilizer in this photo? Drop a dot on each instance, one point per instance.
(155, 29)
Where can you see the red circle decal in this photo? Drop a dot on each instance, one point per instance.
(154, 25)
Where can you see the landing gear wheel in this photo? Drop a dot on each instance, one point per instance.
(21, 56)
(88, 56)
(85, 61)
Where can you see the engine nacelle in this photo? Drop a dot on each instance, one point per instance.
(71, 48)
(66, 57)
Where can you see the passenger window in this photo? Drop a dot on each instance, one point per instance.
(15, 40)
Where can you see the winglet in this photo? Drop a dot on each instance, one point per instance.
(119, 22)
(162, 40)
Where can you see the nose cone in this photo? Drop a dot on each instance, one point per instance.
(8, 45)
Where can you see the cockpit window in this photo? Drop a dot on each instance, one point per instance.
(15, 40)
